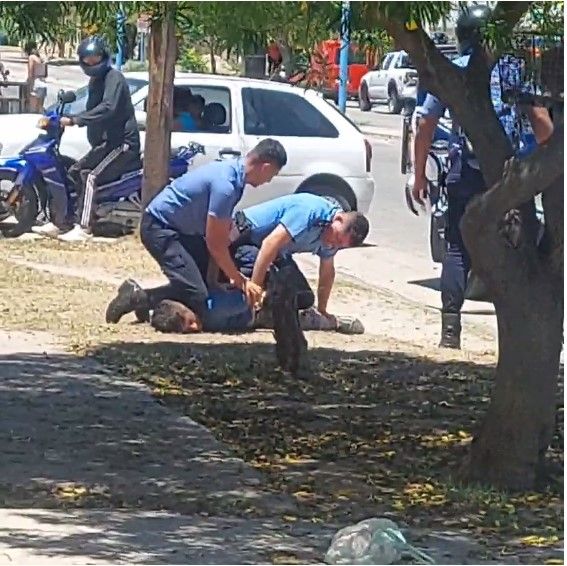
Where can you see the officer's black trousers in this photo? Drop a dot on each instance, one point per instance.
(183, 260)
(457, 263)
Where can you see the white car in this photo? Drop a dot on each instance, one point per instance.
(393, 81)
(327, 154)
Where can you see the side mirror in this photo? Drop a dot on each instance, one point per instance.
(141, 120)
(66, 97)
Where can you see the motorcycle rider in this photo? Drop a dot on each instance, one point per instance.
(465, 179)
(113, 134)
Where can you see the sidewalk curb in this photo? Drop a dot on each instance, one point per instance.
(380, 132)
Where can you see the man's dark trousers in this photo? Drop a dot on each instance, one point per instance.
(183, 260)
(457, 264)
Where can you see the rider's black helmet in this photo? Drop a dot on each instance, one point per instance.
(470, 25)
(94, 46)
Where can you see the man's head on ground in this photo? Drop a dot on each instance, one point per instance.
(172, 317)
(264, 162)
(347, 230)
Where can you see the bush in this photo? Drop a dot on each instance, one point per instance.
(132, 65)
(191, 60)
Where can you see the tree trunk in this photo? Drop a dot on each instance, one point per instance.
(526, 282)
(520, 421)
(212, 56)
(160, 103)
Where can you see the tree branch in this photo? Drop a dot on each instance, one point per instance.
(510, 12)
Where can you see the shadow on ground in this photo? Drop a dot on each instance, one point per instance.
(362, 433)
(366, 433)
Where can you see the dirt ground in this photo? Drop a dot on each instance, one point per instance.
(379, 426)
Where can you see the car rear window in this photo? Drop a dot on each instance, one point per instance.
(270, 112)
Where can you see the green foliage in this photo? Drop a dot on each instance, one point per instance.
(191, 60)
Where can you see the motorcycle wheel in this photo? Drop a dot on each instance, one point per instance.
(25, 208)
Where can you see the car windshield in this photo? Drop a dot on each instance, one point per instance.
(82, 93)
(405, 62)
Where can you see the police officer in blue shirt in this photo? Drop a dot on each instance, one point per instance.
(190, 219)
(271, 232)
(464, 178)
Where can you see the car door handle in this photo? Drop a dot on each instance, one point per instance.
(229, 151)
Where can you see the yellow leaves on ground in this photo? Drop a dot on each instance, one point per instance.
(71, 492)
(540, 541)
(440, 441)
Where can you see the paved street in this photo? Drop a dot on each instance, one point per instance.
(399, 254)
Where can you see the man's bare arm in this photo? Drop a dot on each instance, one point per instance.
(326, 281)
(269, 250)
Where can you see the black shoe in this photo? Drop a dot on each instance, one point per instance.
(450, 331)
(142, 314)
(291, 345)
(130, 297)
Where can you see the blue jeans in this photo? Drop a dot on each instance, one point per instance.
(457, 264)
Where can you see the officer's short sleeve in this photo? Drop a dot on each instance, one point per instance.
(295, 219)
(221, 199)
(432, 107)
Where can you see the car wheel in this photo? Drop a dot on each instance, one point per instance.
(394, 103)
(346, 201)
(363, 100)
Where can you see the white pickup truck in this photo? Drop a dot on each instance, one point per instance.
(394, 80)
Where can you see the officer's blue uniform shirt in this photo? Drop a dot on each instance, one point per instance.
(305, 216)
(212, 189)
(507, 71)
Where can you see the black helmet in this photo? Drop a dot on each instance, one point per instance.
(470, 24)
(94, 46)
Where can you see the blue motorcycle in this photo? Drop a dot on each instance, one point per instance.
(40, 170)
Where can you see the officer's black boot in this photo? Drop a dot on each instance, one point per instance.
(130, 297)
(450, 330)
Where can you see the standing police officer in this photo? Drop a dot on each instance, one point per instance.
(464, 179)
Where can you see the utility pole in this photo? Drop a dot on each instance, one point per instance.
(343, 59)
(120, 38)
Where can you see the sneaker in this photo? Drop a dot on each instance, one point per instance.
(130, 297)
(49, 230)
(76, 234)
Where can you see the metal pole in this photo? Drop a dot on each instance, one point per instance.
(343, 60)
(120, 38)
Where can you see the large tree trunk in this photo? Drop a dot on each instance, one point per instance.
(160, 102)
(526, 281)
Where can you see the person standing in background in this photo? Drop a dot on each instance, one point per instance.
(37, 70)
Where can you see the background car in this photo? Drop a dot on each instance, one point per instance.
(327, 153)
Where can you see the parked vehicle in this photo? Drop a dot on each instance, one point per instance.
(327, 154)
(325, 63)
(40, 168)
(392, 82)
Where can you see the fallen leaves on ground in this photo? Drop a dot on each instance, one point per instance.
(370, 433)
